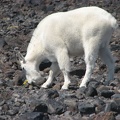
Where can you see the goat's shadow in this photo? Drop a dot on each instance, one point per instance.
(44, 64)
(115, 47)
(79, 73)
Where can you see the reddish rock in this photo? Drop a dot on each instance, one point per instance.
(105, 116)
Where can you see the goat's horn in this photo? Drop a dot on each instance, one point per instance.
(19, 55)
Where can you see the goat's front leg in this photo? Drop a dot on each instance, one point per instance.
(53, 73)
(66, 80)
(64, 64)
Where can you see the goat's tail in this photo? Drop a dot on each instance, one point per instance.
(114, 23)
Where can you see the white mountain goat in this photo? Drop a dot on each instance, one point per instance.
(59, 36)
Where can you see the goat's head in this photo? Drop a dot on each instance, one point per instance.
(32, 75)
(30, 69)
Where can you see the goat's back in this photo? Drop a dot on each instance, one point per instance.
(73, 28)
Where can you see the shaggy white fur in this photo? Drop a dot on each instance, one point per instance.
(59, 36)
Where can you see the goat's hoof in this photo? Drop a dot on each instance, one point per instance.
(44, 86)
(82, 86)
(64, 87)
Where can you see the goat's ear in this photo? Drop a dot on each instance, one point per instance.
(19, 55)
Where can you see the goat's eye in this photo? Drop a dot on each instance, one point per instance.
(23, 69)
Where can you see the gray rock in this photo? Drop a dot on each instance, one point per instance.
(82, 90)
(12, 112)
(86, 108)
(49, 8)
(41, 107)
(60, 6)
(53, 94)
(6, 94)
(2, 43)
(55, 107)
(93, 83)
(117, 69)
(23, 109)
(2, 101)
(113, 106)
(71, 105)
(9, 73)
(19, 77)
(80, 94)
(100, 104)
(3, 117)
(5, 108)
(57, 86)
(64, 94)
(36, 105)
(116, 96)
(34, 116)
(117, 117)
(2, 82)
(115, 82)
(107, 93)
(91, 91)
(36, 2)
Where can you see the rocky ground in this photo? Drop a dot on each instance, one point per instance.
(18, 18)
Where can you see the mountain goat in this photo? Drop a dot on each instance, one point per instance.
(61, 35)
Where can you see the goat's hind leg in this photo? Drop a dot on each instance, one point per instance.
(107, 58)
(52, 73)
(91, 54)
